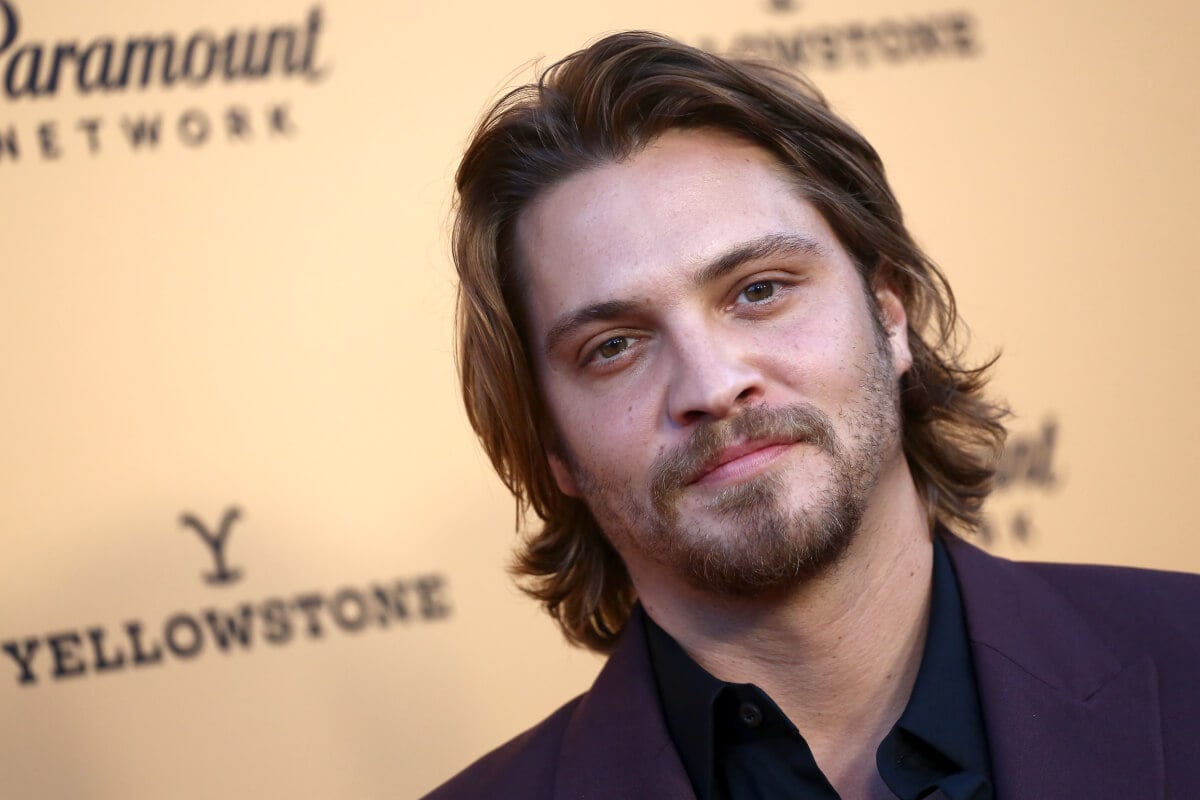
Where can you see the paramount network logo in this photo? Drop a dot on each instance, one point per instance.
(184, 635)
(39, 70)
(116, 64)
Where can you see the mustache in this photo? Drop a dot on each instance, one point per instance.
(674, 469)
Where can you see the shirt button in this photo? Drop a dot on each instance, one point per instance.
(750, 715)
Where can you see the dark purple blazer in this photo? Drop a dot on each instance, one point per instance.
(1089, 679)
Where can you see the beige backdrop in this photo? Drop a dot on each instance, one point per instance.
(261, 320)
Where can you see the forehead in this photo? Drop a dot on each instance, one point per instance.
(640, 225)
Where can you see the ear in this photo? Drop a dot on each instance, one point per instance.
(562, 475)
(894, 319)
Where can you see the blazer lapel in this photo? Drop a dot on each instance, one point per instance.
(1064, 718)
(617, 744)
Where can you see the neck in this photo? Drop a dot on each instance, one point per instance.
(839, 654)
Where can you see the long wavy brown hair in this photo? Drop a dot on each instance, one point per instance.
(600, 105)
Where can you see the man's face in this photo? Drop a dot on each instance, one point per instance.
(723, 387)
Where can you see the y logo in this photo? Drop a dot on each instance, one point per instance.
(216, 543)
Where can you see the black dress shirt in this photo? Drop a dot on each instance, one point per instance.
(735, 743)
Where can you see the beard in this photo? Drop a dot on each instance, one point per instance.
(759, 545)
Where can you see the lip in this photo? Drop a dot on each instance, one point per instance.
(740, 461)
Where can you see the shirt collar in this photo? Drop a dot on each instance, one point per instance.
(943, 710)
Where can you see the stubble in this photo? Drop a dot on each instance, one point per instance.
(759, 545)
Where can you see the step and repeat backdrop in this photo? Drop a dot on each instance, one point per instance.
(248, 545)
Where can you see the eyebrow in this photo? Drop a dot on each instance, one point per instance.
(771, 245)
(569, 323)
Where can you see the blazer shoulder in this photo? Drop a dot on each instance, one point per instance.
(523, 767)
(1150, 587)
(1130, 606)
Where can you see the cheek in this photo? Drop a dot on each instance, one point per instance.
(822, 356)
(807, 348)
(608, 433)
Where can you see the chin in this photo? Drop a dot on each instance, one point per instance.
(753, 546)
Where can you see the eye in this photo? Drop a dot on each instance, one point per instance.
(612, 347)
(614, 351)
(759, 291)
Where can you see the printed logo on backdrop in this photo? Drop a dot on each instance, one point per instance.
(38, 70)
(853, 43)
(1025, 476)
(226, 628)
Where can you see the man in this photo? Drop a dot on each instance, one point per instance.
(698, 342)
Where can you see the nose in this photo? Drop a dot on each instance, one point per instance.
(712, 377)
